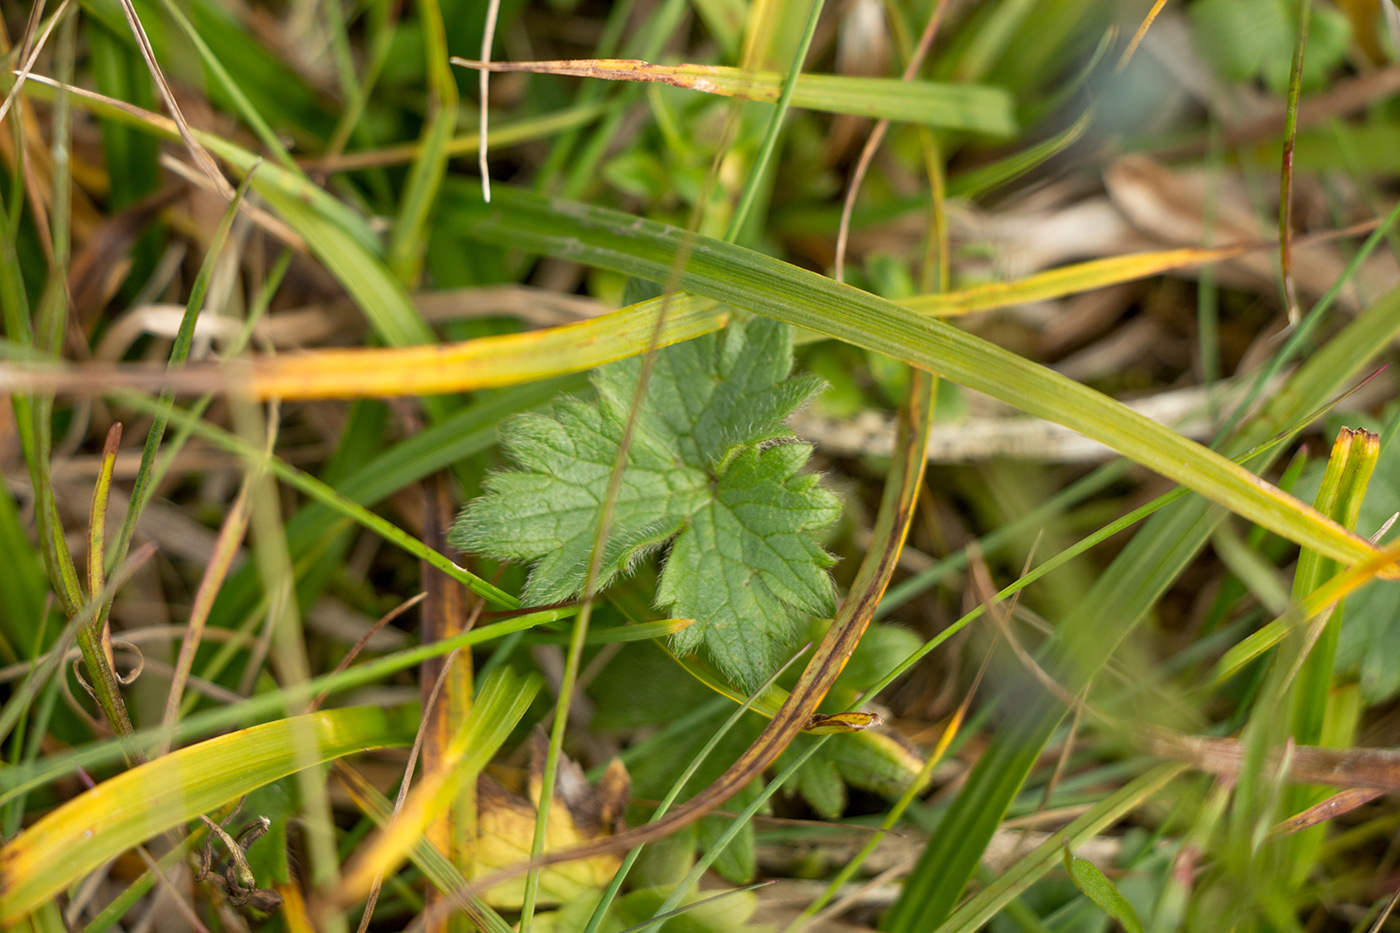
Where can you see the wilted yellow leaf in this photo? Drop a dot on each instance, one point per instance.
(579, 813)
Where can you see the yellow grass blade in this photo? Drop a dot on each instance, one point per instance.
(132, 807)
(1070, 280)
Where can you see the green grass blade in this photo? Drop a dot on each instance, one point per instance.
(425, 177)
(981, 908)
(231, 87)
(179, 352)
(132, 157)
(22, 609)
(1100, 889)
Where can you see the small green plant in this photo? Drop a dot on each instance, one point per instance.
(710, 468)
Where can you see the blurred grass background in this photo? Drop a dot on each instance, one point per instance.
(1162, 698)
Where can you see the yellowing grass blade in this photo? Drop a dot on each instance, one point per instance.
(1070, 280)
(974, 108)
(134, 806)
(509, 359)
(504, 698)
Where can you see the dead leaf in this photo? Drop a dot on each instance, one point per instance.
(580, 813)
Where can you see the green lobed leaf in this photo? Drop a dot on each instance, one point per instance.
(747, 561)
(701, 469)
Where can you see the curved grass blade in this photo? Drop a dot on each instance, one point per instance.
(504, 698)
(22, 778)
(510, 359)
(981, 908)
(437, 866)
(122, 812)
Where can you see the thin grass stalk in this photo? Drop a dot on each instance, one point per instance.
(580, 631)
(285, 637)
(409, 235)
(34, 40)
(53, 321)
(356, 92)
(488, 38)
(179, 352)
(936, 275)
(446, 613)
(230, 86)
(589, 94)
(226, 546)
(1290, 136)
(327, 495)
(426, 727)
(661, 26)
(201, 156)
(677, 787)
(872, 145)
(1138, 36)
(1308, 327)
(775, 127)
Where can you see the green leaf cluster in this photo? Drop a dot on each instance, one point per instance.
(710, 468)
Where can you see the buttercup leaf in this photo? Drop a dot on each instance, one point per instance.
(706, 470)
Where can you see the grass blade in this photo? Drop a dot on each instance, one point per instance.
(137, 804)
(970, 108)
